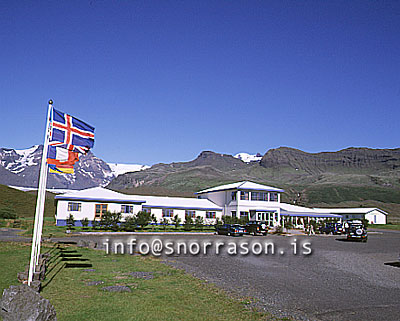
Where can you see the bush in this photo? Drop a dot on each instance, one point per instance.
(7, 213)
(129, 224)
(176, 220)
(199, 223)
(85, 222)
(187, 225)
(164, 222)
(70, 221)
(143, 219)
(110, 221)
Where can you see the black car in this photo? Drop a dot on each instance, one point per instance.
(256, 228)
(332, 228)
(357, 231)
(230, 229)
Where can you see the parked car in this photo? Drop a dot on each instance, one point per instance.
(332, 228)
(256, 228)
(357, 231)
(230, 230)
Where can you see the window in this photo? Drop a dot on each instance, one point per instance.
(244, 196)
(244, 214)
(127, 209)
(210, 215)
(146, 210)
(100, 210)
(190, 213)
(74, 207)
(233, 213)
(273, 197)
(167, 212)
(234, 196)
(259, 196)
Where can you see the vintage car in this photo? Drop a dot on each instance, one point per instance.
(356, 231)
(256, 228)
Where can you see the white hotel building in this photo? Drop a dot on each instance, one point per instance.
(243, 199)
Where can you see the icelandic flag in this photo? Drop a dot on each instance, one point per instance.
(71, 133)
(61, 161)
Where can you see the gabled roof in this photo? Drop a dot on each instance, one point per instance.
(245, 185)
(99, 194)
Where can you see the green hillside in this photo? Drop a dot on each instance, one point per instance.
(23, 204)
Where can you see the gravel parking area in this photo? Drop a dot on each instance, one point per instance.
(339, 280)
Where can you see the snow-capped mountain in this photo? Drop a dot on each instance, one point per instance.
(247, 158)
(119, 169)
(21, 168)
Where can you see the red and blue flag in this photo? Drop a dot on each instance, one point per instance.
(71, 133)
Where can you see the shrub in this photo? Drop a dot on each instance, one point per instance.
(143, 219)
(129, 224)
(7, 213)
(110, 220)
(176, 220)
(164, 222)
(85, 222)
(70, 221)
(199, 223)
(187, 225)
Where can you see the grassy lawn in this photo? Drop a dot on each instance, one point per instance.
(169, 295)
(385, 226)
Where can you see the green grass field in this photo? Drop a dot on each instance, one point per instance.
(170, 295)
(386, 226)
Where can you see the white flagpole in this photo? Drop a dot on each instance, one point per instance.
(41, 197)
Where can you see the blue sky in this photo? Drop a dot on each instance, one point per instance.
(163, 80)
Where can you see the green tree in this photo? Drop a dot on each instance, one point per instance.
(129, 224)
(95, 224)
(176, 220)
(110, 221)
(199, 223)
(153, 221)
(143, 219)
(85, 222)
(218, 222)
(70, 221)
(164, 222)
(7, 212)
(187, 225)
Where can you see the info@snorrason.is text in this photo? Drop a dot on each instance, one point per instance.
(158, 247)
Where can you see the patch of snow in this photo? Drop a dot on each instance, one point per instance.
(119, 169)
(247, 158)
(26, 159)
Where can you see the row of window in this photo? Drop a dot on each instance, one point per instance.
(168, 212)
(256, 196)
(128, 209)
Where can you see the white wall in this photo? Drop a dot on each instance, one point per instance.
(88, 209)
(376, 217)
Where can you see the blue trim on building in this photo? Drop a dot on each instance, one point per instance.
(277, 190)
(183, 208)
(97, 200)
(77, 223)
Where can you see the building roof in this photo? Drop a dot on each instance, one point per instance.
(295, 210)
(354, 210)
(99, 194)
(105, 195)
(245, 185)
